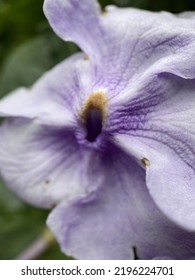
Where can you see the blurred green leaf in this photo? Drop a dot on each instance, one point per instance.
(158, 5)
(20, 224)
(29, 61)
(19, 21)
(54, 253)
(8, 200)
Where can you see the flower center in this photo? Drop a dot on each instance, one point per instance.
(93, 124)
(93, 115)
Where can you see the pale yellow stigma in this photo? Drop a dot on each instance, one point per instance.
(97, 101)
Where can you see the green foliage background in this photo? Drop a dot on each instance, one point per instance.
(28, 48)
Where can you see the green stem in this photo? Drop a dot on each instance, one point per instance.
(38, 247)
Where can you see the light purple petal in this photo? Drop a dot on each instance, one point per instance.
(161, 118)
(169, 174)
(77, 21)
(39, 141)
(162, 258)
(40, 157)
(126, 42)
(118, 216)
(43, 165)
(56, 98)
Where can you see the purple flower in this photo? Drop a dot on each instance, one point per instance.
(107, 137)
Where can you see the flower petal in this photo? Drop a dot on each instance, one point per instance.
(42, 164)
(161, 116)
(119, 216)
(159, 40)
(56, 98)
(151, 40)
(168, 156)
(76, 21)
(44, 122)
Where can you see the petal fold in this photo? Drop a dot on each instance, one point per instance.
(125, 43)
(40, 164)
(158, 124)
(169, 175)
(56, 98)
(77, 21)
(118, 217)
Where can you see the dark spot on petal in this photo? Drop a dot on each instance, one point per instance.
(86, 57)
(53, 205)
(93, 124)
(47, 181)
(135, 253)
(104, 12)
(145, 161)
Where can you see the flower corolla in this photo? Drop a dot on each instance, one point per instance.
(107, 138)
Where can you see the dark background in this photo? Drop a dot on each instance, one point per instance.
(28, 48)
